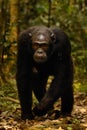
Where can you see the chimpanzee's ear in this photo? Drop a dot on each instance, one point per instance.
(53, 37)
(30, 34)
(31, 29)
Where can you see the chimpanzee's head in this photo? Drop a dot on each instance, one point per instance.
(42, 43)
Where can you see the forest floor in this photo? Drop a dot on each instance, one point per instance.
(10, 120)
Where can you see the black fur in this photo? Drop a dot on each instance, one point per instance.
(32, 76)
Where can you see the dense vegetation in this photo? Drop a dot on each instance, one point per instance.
(70, 15)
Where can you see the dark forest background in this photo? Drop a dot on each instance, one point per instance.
(17, 15)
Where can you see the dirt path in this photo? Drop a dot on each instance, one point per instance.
(10, 120)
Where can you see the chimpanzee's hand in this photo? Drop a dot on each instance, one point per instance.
(39, 111)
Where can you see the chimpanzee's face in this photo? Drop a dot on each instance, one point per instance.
(41, 43)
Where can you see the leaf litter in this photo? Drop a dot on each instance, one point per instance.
(10, 119)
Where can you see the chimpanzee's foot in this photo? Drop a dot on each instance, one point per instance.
(27, 116)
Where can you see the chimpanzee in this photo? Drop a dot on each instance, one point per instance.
(44, 51)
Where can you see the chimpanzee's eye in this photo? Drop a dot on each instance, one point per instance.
(45, 46)
(35, 46)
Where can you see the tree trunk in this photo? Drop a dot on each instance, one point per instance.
(13, 20)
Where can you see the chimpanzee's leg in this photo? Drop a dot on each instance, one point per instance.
(67, 101)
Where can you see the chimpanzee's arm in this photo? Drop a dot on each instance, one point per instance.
(57, 88)
(23, 76)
